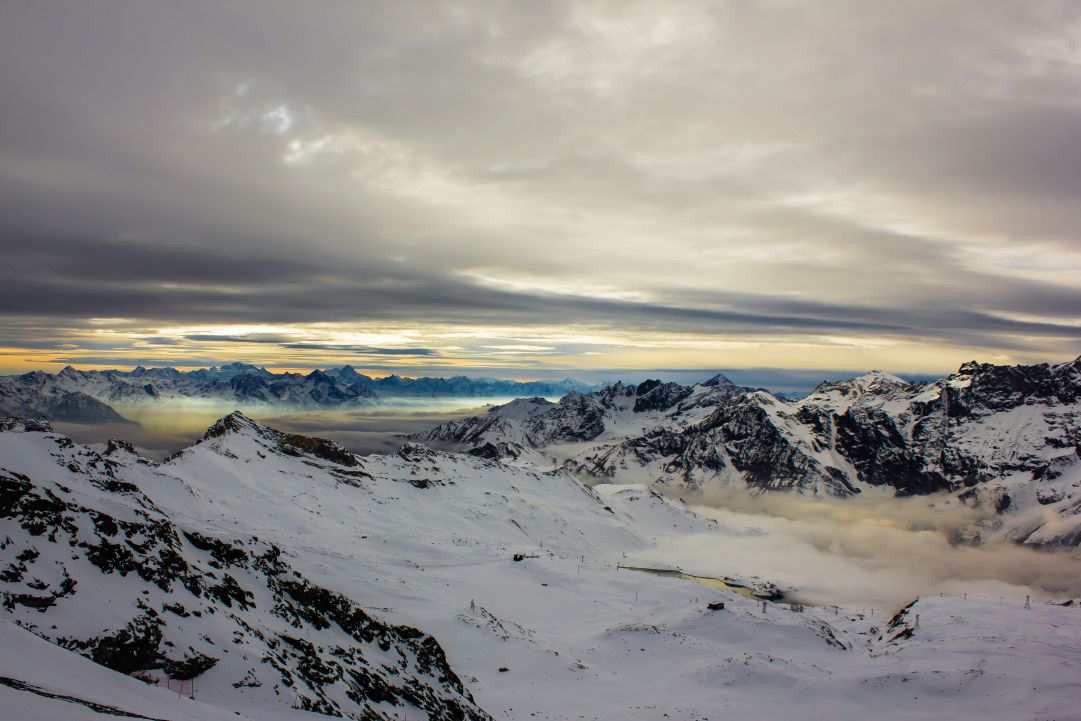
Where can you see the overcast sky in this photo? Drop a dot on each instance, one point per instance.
(531, 189)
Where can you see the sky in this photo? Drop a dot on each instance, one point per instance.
(540, 189)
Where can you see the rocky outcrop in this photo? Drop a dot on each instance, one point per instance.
(185, 603)
(1009, 434)
(654, 395)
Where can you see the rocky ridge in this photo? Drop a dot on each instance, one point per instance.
(90, 562)
(1004, 438)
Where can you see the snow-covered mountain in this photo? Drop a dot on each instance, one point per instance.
(88, 396)
(38, 395)
(142, 567)
(519, 429)
(1006, 438)
(279, 572)
(93, 564)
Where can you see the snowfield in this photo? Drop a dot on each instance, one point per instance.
(327, 564)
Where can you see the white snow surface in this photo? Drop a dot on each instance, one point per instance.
(425, 538)
(53, 670)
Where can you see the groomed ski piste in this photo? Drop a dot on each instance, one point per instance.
(427, 540)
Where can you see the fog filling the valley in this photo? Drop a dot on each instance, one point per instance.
(363, 430)
(864, 551)
(858, 551)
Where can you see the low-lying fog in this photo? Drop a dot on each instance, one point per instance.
(364, 430)
(865, 552)
(858, 552)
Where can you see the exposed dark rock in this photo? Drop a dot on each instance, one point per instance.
(289, 444)
(181, 583)
(653, 395)
(189, 667)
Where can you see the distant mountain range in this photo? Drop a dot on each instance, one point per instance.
(88, 396)
(1003, 438)
(1006, 439)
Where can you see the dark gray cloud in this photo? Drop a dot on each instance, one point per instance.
(406, 297)
(893, 177)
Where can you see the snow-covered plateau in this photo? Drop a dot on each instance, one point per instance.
(271, 575)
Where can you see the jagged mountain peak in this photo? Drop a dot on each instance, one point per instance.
(57, 397)
(236, 424)
(656, 395)
(719, 380)
(878, 381)
(969, 367)
(1004, 437)
(521, 408)
(349, 374)
(647, 385)
(995, 387)
(319, 376)
(875, 382)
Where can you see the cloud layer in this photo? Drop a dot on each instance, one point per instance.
(873, 552)
(633, 184)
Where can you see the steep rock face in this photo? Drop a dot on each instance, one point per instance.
(612, 413)
(867, 422)
(89, 561)
(765, 454)
(882, 455)
(999, 437)
(654, 395)
(577, 417)
(740, 442)
(250, 387)
(980, 425)
(987, 387)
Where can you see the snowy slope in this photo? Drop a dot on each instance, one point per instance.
(424, 539)
(40, 681)
(93, 563)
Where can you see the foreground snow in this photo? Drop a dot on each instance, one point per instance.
(426, 539)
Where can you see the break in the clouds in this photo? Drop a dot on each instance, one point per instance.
(540, 187)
